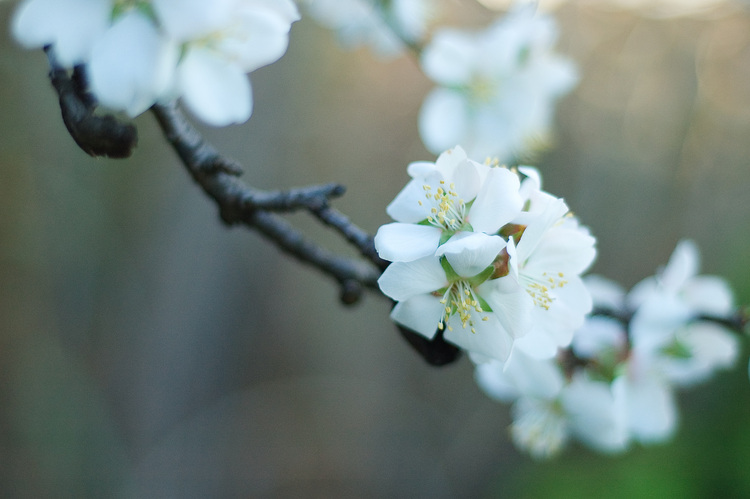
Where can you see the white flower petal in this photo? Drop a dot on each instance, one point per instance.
(709, 295)
(593, 415)
(449, 59)
(132, 65)
(490, 338)
(406, 206)
(443, 120)
(448, 161)
(287, 9)
(400, 242)
(216, 90)
(420, 313)
(191, 19)
(598, 335)
(491, 378)
(402, 281)
(649, 405)
(469, 253)
(421, 169)
(466, 180)
(562, 249)
(497, 203)
(510, 304)
(711, 347)
(538, 427)
(535, 230)
(72, 26)
(605, 292)
(683, 264)
(256, 38)
(529, 376)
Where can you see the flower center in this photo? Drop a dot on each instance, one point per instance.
(448, 211)
(460, 299)
(482, 90)
(539, 287)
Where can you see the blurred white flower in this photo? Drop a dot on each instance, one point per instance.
(549, 410)
(132, 64)
(497, 88)
(663, 328)
(70, 26)
(647, 401)
(666, 346)
(386, 27)
(221, 41)
(141, 53)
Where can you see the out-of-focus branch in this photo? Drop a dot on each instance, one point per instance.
(97, 135)
(240, 204)
(105, 135)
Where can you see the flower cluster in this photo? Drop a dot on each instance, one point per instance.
(483, 254)
(496, 88)
(615, 384)
(386, 27)
(139, 52)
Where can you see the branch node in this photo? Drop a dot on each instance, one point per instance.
(220, 164)
(351, 292)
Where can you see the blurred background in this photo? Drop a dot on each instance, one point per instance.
(146, 350)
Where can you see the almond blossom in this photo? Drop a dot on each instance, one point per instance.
(453, 292)
(450, 196)
(386, 27)
(486, 258)
(220, 42)
(70, 26)
(143, 52)
(496, 88)
(549, 410)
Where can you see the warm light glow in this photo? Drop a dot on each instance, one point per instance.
(659, 8)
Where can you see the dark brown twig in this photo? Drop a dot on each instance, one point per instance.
(240, 204)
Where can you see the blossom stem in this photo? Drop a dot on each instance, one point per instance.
(415, 47)
(737, 322)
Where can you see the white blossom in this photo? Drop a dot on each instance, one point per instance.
(222, 41)
(664, 329)
(140, 53)
(665, 346)
(450, 196)
(548, 410)
(496, 88)
(386, 27)
(455, 294)
(70, 26)
(132, 64)
(552, 252)
(485, 257)
(647, 401)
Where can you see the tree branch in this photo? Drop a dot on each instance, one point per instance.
(98, 135)
(255, 208)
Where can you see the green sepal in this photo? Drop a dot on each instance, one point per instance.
(485, 306)
(481, 277)
(449, 272)
(677, 350)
